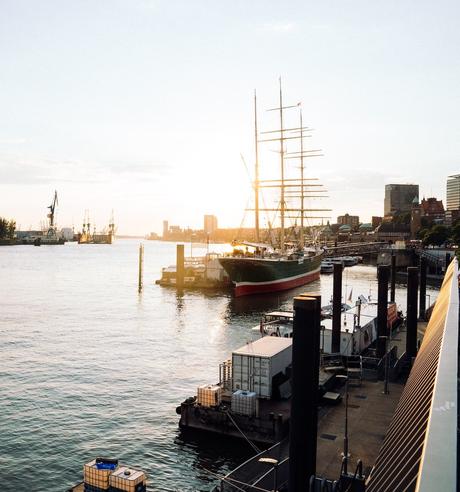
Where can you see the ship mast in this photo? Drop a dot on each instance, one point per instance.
(256, 173)
(282, 203)
(302, 196)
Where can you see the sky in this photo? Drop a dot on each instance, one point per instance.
(146, 106)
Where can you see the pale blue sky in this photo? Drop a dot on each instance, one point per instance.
(144, 106)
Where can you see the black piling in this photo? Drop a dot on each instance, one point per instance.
(422, 298)
(393, 278)
(180, 266)
(447, 260)
(383, 274)
(304, 401)
(411, 321)
(336, 308)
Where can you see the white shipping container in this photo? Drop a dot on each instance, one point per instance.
(128, 479)
(255, 364)
(209, 395)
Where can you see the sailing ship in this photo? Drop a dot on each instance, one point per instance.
(88, 237)
(288, 264)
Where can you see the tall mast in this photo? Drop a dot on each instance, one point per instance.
(282, 204)
(256, 173)
(302, 240)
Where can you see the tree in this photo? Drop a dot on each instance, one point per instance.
(455, 234)
(3, 228)
(11, 228)
(436, 236)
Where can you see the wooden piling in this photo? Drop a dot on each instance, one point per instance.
(141, 268)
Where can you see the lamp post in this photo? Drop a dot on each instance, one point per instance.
(274, 462)
(345, 436)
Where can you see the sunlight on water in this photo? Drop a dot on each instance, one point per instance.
(90, 367)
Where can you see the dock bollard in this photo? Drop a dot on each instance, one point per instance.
(383, 272)
(422, 297)
(411, 321)
(304, 401)
(141, 268)
(336, 308)
(180, 266)
(393, 278)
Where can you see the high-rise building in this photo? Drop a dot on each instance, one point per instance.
(399, 198)
(165, 229)
(453, 192)
(349, 220)
(210, 224)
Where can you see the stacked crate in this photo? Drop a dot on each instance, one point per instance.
(127, 480)
(209, 395)
(96, 474)
(244, 402)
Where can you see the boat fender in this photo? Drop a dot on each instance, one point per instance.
(179, 410)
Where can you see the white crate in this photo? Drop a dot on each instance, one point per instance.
(244, 403)
(209, 395)
(128, 479)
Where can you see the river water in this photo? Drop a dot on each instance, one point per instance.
(90, 367)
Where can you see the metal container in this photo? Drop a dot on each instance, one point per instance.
(244, 403)
(255, 364)
(209, 395)
(127, 480)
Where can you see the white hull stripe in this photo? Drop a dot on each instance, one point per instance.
(278, 281)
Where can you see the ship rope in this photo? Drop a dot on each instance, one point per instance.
(254, 447)
(233, 482)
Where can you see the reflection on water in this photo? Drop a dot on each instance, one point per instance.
(88, 366)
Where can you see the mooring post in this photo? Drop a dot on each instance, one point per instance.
(180, 266)
(447, 260)
(304, 401)
(383, 272)
(141, 268)
(422, 297)
(393, 277)
(411, 320)
(336, 308)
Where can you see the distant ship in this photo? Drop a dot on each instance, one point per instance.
(88, 237)
(290, 264)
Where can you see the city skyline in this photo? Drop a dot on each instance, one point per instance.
(130, 106)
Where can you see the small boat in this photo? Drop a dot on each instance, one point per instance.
(327, 266)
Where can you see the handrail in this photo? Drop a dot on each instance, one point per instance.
(438, 467)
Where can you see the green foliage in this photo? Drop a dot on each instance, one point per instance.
(7, 228)
(402, 218)
(436, 236)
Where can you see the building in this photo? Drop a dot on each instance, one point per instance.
(415, 219)
(453, 192)
(210, 224)
(348, 220)
(391, 232)
(376, 221)
(433, 210)
(165, 229)
(399, 198)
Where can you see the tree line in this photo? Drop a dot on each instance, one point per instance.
(7, 228)
(438, 235)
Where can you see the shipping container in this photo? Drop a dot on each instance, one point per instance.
(244, 403)
(209, 395)
(255, 364)
(127, 480)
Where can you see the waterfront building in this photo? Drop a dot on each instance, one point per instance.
(165, 229)
(210, 224)
(348, 220)
(453, 192)
(376, 221)
(415, 219)
(390, 231)
(433, 210)
(399, 198)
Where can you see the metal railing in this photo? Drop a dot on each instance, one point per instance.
(419, 452)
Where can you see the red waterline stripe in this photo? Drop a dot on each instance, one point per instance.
(245, 290)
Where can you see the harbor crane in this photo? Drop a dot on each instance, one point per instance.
(52, 208)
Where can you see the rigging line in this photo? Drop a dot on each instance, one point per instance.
(233, 481)
(254, 447)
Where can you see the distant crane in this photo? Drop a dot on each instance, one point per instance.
(52, 207)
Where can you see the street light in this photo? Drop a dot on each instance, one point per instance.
(274, 462)
(345, 436)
